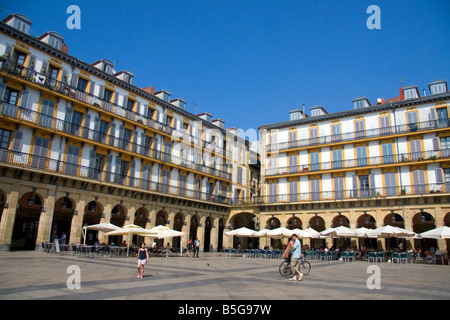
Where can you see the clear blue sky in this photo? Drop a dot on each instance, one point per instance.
(251, 61)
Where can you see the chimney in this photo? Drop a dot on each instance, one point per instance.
(150, 90)
(64, 48)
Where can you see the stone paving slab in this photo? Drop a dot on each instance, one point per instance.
(37, 275)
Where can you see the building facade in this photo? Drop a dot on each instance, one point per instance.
(370, 166)
(81, 145)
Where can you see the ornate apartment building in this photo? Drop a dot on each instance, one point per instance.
(80, 145)
(386, 164)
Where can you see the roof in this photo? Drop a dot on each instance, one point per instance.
(356, 112)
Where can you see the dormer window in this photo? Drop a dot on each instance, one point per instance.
(438, 86)
(53, 39)
(410, 92)
(19, 22)
(361, 102)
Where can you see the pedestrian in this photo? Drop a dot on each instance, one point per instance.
(296, 255)
(142, 257)
(190, 248)
(196, 247)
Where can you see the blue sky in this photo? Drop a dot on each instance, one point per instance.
(251, 61)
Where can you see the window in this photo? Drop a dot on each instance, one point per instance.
(442, 115)
(182, 188)
(416, 149)
(53, 73)
(22, 26)
(145, 183)
(272, 192)
(5, 137)
(292, 139)
(339, 187)
(390, 182)
(239, 175)
(315, 165)
(419, 182)
(385, 125)
(40, 153)
(130, 104)
(314, 136)
(359, 129)
(337, 159)
(388, 153)
(412, 121)
(361, 156)
(363, 186)
(107, 95)
(447, 179)
(293, 191)
(82, 84)
(72, 157)
(438, 88)
(293, 168)
(410, 94)
(11, 96)
(336, 132)
(445, 147)
(315, 189)
(19, 58)
(358, 104)
(46, 114)
(55, 42)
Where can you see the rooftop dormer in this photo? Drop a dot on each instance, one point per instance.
(296, 114)
(410, 92)
(53, 39)
(438, 86)
(164, 95)
(19, 22)
(317, 111)
(104, 65)
(361, 102)
(125, 75)
(179, 102)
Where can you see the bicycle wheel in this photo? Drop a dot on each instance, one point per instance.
(285, 269)
(304, 267)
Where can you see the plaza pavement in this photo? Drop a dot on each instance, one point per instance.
(39, 275)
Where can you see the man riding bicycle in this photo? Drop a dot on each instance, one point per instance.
(294, 245)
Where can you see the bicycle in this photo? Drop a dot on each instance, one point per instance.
(303, 266)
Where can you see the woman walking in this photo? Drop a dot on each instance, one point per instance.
(142, 256)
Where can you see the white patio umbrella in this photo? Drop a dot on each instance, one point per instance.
(104, 227)
(389, 231)
(315, 234)
(340, 232)
(163, 232)
(438, 233)
(241, 232)
(280, 232)
(366, 233)
(301, 233)
(130, 230)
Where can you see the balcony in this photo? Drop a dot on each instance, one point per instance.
(36, 119)
(360, 135)
(375, 193)
(64, 88)
(398, 159)
(56, 167)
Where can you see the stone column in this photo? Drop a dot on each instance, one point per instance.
(8, 217)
